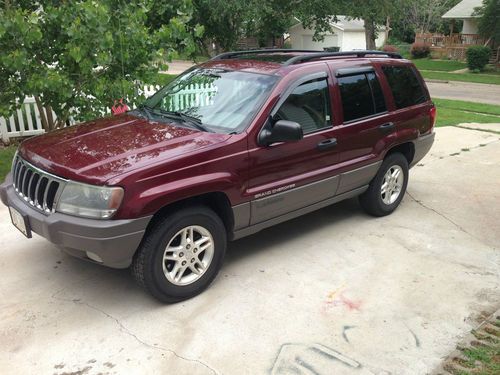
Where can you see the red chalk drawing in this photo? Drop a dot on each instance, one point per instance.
(338, 298)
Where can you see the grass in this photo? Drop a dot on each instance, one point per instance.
(163, 79)
(442, 70)
(439, 65)
(490, 78)
(453, 112)
(6, 155)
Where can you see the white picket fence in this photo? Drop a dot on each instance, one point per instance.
(26, 120)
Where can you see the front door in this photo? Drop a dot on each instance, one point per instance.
(287, 176)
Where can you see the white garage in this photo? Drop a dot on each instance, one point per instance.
(347, 34)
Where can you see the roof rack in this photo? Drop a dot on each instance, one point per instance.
(232, 55)
(318, 55)
(307, 54)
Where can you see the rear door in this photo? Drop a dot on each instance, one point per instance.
(364, 123)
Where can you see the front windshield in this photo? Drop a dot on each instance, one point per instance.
(221, 100)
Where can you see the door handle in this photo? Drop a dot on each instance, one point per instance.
(327, 144)
(387, 127)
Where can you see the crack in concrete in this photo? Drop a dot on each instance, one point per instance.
(130, 333)
(462, 229)
(433, 157)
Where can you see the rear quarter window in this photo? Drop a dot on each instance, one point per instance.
(405, 86)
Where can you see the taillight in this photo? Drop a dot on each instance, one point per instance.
(433, 114)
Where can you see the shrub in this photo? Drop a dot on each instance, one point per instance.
(477, 57)
(419, 50)
(389, 48)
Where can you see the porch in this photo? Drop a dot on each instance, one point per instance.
(451, 46)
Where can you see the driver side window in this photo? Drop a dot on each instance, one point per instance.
(308, 105)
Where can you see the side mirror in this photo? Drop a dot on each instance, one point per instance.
(281, 131)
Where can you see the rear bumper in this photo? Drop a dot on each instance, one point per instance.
(422, 146)
(113, 241)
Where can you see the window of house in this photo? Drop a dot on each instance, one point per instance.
(308, 105)
(361, 96)
(405, 86)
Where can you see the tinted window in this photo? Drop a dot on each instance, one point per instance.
(361, 96)
(405, 86)
(309, 105)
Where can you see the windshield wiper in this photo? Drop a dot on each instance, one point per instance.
(191, 120)
(145, 109)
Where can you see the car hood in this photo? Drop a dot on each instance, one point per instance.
(96, 151)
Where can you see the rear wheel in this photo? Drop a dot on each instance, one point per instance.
(387, 188)
(181, 254)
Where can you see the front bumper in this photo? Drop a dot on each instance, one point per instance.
(114, 241)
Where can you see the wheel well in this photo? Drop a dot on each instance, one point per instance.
(217, 201)
(407, 149)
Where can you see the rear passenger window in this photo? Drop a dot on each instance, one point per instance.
(405, 86)
(361, 96)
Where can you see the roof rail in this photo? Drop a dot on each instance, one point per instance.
(318, 55)
(231, 55)
(307, 54)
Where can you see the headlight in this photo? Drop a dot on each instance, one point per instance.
(96, 202)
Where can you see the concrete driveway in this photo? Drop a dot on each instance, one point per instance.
(334, 292)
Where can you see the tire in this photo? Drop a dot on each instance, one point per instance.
(373, 200)
(158, 276)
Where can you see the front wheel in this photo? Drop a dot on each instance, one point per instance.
(181, 254)
(387, 188)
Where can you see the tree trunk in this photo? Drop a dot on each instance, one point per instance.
(387, 28)
(50, 118)
(43, 117)
(370, 33)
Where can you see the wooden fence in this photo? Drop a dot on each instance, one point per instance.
(26, 120)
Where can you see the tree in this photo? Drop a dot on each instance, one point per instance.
(225, 22)
(489, 21)
(373, 12)
(77, 57)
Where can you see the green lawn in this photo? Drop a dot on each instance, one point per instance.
(491, 78)
(439, 65)
(453, 112)
(163, 79)
(6, 155)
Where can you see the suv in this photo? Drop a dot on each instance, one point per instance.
(242, 142)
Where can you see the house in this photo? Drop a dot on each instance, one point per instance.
(464, 11)
(454, 45)
(347, 34)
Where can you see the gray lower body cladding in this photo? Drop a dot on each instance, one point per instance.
(422, 146)
(114, 241)
(265, 212)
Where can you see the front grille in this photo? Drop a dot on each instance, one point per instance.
(36, 187)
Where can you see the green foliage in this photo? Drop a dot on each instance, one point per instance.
(6, 156)
(489, 21)
(83, 54)
(477, 57)
(420, 50)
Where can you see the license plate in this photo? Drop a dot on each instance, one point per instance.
(20, 222)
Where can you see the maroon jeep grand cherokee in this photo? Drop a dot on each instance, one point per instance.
(232, 146)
